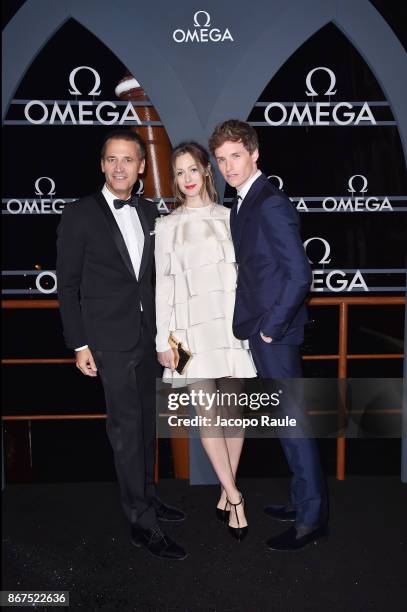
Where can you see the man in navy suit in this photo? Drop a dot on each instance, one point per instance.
(273, 280)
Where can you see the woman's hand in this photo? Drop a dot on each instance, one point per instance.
(167, 359)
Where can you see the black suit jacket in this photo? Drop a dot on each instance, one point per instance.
(98, 291)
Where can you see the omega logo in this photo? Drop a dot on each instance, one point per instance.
(85, 112)
(357, 203)
(45, 274)
(334, 280)
(202, 32)
(364, 183)
(38, 191)
(311, 91)
(140, 189)
(357, 184)
(40, 206)
(202, 25)
(320, 113)
(279, 180)
(325, 259)
(75, 90)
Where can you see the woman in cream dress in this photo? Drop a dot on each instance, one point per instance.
(195, 296)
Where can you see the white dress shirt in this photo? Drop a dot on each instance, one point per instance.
(129, 224)
(244, 189)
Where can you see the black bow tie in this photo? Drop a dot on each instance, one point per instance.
(120, 203)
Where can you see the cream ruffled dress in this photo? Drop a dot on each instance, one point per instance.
(195, 293)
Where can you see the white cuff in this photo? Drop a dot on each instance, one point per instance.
(161, 348)
(81, 348)
(265, 338)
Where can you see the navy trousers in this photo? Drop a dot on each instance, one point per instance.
(308, 488)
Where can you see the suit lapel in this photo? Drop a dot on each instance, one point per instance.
(233, 218)
(116, 233)
(147, 238)
(245, 210)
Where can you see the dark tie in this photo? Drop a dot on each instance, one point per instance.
(233, 212)
(236, 201)
(120, 203)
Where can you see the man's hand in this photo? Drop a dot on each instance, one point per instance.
(266, 338)
(86, 363)
(167, 359)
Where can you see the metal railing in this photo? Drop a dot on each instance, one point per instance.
(342, 356)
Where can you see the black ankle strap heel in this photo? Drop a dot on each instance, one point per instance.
(239, 533)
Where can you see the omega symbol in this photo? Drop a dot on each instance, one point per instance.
(75, 90)
(140, 189)
(327, 246)
(38, 191)
(202, 25)
(364, 183)
(311, 91)
(279, 179)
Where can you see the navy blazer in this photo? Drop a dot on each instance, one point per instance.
(274, 275)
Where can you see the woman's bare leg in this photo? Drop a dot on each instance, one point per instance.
(234, 438)
(214, 443)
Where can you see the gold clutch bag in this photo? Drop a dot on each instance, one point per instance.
(182, 356)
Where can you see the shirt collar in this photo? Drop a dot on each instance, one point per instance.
(244, 189)
(110, 198)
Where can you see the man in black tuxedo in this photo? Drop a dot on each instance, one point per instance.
(105, 270)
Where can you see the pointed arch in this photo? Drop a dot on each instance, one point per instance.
(357, 20)
(114, 24)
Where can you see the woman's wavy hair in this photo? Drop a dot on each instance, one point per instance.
(201, 157)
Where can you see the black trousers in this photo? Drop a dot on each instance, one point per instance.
(129, 379)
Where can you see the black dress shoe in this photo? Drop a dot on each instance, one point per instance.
(288, 540)
(168, 513)
(281, 513)
(157, 543)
